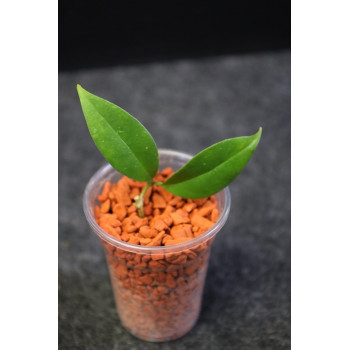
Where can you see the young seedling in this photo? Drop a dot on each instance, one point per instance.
(130, 149)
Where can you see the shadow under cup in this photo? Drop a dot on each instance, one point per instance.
(157, 290)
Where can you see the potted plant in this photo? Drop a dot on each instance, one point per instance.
(157, 213)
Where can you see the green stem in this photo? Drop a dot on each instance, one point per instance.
(139, 200)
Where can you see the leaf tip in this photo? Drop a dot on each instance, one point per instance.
(79, 88)
(258, 134)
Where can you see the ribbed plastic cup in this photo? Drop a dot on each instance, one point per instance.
(157, 290)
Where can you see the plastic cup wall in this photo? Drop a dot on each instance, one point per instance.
(157, 290)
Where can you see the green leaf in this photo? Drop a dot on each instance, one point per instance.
(212, 169)
(122, 140)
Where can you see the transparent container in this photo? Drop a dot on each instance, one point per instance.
(157, 290)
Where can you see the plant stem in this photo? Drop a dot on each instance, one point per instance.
(139, 200)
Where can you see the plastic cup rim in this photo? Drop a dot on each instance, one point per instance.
(154, 249)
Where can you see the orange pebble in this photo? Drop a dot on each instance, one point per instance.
(122, 271)
(180, 204)
(214, 215)
(158, 201)
(180, 217)
(131, 209)
(169, 209)
(165, 194)
(201, 222)
(145, 241)
(167, 219)
(108, 228)
(200, 202)
(120, 211)
(122, 196)
(189, 207)
(147, 232)
(134, 240)
(156, 257)
(110, 219)
(180, 259)
(148, 208)
(170, 281)
(125, 236)
(105, 191)
(206, 210)
(141, 222)
(175, 200)
(146, 279)
(155, 264)
(157, 240)
(166, 238)
(111, 196)
(178, 232)
(183, 230)
(134, 183)
(130, 228)
(167, 171)
(123, 185)
(159, 224)
(106, 205)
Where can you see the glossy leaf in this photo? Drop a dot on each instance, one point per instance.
(122, 140)
(212, 169)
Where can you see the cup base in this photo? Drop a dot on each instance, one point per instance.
(162, 339)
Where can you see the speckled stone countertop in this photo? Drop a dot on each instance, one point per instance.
(187, 105)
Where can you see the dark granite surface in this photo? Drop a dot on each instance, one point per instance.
(188, 105)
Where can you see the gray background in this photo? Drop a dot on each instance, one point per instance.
(187, 105)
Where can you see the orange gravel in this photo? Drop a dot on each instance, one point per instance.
(169, 219)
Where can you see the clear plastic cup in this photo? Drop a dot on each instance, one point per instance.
(157, 290)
